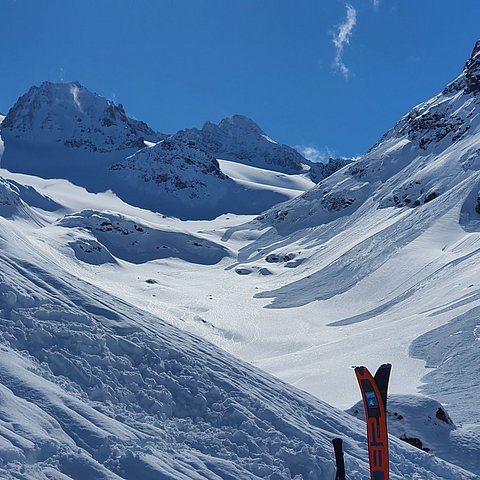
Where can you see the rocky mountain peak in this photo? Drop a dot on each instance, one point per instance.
(472, 71)
(469, 80)
(240, 139)
(423, 158)
(237, 124)
(70, 115)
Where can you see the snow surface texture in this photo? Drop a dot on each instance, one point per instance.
(391, 244)
(424, 423)
(386, 248)
(93, 387)
(144, 243)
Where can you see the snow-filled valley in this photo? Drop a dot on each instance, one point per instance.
(164, 316)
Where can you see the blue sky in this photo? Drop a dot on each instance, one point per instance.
(326, 74)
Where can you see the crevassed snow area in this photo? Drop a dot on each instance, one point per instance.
(93, 387)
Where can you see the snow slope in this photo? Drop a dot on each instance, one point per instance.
(93, 387)
(424, 423)
(259, 178)
(376, 263)
(180, 178)
(387, 247)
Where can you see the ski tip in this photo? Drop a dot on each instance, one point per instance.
(337, 441)
(385, 365)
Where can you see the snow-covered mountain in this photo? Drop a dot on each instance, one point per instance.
(62, 130)
(387, 247)
(66, 131)
(240, 139)
(232, 167)
(103, 305)
(180, 177)
(70, 115)
(429, 151)
(95, 387)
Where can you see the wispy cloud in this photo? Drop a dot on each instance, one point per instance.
(315, 154)
(342, 37)
(376, 4)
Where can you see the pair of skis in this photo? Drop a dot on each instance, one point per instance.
(374, 395)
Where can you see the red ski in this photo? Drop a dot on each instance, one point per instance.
(374, 395)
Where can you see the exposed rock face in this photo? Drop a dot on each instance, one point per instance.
(240, 139)
(427, 154)
(70, 115)
(174, 164)
(469, 80)
(472, 71)
(319, 171)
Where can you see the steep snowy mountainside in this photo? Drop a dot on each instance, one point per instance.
(240, 139)
(469, 80)
(433, 148)
(179, 177)
(93, 387)
(385, 248)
